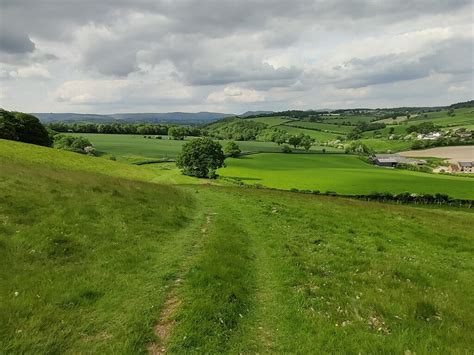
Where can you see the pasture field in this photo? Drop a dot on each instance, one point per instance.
(464, 116)
(93, 262)
(333, 128)
(317, 135)
(353, 119)
(386, 145)
(271, 121)
(135, 148)
(344, 174)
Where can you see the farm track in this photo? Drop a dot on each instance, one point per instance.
(164, 326)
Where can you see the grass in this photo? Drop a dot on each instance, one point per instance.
(333, 128)
(385, 145)
(344, 174)
(317, 135)
(134, 148)
(272, 121)
(85, 256)
(91, 259)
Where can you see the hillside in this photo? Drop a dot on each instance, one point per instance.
(96, 259)
(168, 117)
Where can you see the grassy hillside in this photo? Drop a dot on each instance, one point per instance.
(344, 174)
(95, 262)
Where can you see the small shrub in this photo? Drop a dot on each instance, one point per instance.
(286, 149)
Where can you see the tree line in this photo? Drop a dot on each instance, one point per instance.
(125, 128)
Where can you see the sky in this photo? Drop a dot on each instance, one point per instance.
(111, 56)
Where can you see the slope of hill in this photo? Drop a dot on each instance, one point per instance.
(96, 260)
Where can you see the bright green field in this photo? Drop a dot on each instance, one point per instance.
(317, 135)
(271, 121)
(94, 256)
(385, 145)
(352, 119)
(135, 148)
(344, 174)
(339, 129)
(464, 116)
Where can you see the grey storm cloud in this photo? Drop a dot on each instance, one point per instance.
(15, 42)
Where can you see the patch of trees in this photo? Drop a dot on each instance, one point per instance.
(201, 158)
(466, 104)
(356, 133)
(424, 128)
(119, 128)
(358, 148)
(232, 149)
(74, 144)
(178, 132)
(236, 129)
(18, 126)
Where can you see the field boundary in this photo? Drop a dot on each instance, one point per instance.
(386, 197)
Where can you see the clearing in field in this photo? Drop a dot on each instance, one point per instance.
(344, 174)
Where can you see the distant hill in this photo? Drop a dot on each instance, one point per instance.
(73, 117)
(463, 104)
(168, 117)
(254, 113)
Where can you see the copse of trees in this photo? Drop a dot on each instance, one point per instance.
(119, 128)
(201, 158)
(236, 129)
(74, 144)
(425, 127)
(178, 132)
(23, 127)
(232, 149)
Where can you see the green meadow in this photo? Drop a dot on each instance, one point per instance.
(344, 174)
(135, 148)
(99, 258)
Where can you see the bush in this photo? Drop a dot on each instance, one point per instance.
(74, 144)
(286, 149)
(232, 149)
(201, 157)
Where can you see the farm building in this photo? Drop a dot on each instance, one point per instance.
(430, 136)
(466, 166)
(392, 160)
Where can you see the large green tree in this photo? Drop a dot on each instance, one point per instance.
(201, 157)
(23, 127)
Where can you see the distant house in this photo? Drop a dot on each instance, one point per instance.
(466, 166)
(430, 136)
(392, 160)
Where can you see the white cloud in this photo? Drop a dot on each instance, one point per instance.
(235, 94)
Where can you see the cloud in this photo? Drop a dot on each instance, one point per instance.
(195, 53)
(113, 91)
(14, 42)
(235, 94)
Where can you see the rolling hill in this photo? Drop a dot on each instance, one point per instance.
(96, 258)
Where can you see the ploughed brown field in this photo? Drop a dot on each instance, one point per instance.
(453, 154)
